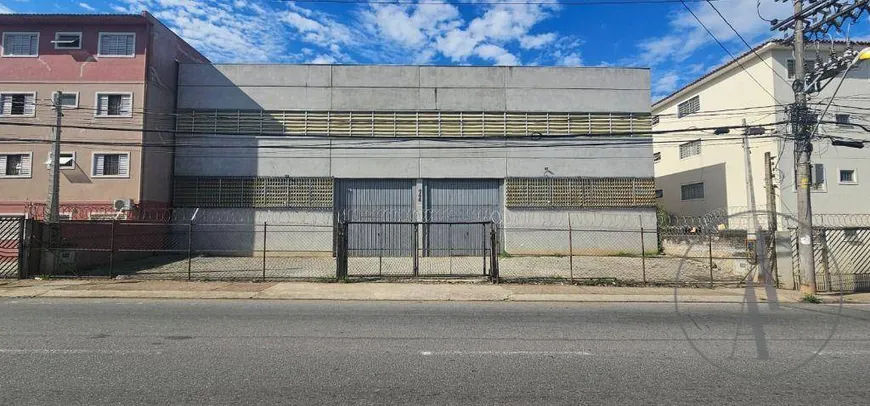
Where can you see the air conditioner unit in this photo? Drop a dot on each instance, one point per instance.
(122, 204)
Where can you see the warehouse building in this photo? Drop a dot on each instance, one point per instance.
(524, 147)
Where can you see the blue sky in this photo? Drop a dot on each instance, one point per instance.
(663, 36)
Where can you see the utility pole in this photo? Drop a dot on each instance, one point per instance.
(52, 204)
(802, 149)
(772, 225)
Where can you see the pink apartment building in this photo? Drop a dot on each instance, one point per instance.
(118, 78)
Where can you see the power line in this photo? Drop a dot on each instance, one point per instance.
(475, 3)
(327, 136)
(751, 48)
(689, 9)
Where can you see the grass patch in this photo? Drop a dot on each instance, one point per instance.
(810, 298)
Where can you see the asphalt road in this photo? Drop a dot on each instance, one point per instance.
(240, 352)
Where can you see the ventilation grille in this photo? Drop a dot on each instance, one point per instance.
(410, 124)
(579, 192)
(253, 192)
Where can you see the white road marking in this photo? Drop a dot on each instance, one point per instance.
(61, 351)
(497, 353)
(856, 352)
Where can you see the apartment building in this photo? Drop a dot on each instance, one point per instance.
(700, 172)
(118, 76)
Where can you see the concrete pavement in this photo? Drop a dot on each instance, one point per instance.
(419, 291)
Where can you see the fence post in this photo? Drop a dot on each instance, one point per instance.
(823, 241)
(643, 255)
(341, 252)
(416, 249)
(710, 255)
(483, 245)
(570, 250)
(189, 247)
(112, 252)
(265, 225)
(494, 255)
(22, 273)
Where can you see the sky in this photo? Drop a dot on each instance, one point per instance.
(663, 36)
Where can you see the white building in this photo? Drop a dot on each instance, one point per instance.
(699, 172)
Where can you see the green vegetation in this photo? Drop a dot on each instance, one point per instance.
(810, 298)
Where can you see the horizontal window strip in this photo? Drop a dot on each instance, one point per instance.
(552, 192)
(410, 124)
(253, 192)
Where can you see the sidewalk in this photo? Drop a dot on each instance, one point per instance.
(423, 291)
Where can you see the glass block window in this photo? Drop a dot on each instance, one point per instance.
(550, 192)
(690, 106)
(690, 149)
(253, 192)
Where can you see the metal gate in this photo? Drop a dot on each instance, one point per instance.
(374, 210)
(11, 246)
(449, 203)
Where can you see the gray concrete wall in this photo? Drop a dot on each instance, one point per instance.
(411, 159)
(328, 87)
(594, 232)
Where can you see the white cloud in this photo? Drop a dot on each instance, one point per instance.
(666, 83)
(537, 41)
(686, 36)
(497, 54)
(5, 10)
(87, 6)
(324, 60)
(571, 59)
(218, 30)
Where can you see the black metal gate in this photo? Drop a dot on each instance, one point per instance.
(413, 260)
(11, 246)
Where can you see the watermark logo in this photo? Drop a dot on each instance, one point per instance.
(760, 334)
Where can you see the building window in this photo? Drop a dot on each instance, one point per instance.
(657, 157)
(690, 149)
(111, 165)
(67, 40)
(114, 105)
(808, 66)
(690, 106)
(817, 180)
(660, 194)
(117, 44)
(848, 177)
(18, 104)
(21, 44)
(15, 165)
(692, 191)
(843, 120)
(69, 100)
(67, 160)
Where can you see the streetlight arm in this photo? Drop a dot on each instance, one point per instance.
(862, 56)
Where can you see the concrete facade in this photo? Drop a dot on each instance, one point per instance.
(148, 76)
(228, 89)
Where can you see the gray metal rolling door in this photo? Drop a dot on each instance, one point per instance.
(463, 200)
(377, 200)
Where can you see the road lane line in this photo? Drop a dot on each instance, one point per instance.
(61, 351)
(502, 353)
